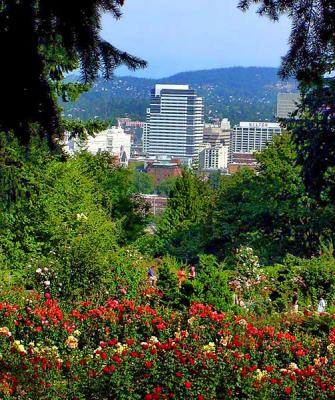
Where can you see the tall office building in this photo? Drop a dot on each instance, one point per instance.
(249, 137)
(213, 157)
(287, 104)
(175, 122)
(145, 138)
(218, 134)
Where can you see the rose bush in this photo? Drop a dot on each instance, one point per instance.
(129, 350)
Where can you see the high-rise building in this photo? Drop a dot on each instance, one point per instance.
(287, 103)
(219, 133)
(249, 137)
(145, 137)
(213, 157)
(175, 122)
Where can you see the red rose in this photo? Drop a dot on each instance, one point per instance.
(130, 342)
(288, 391)
(148, 364)
(188, 385)
(106, 370)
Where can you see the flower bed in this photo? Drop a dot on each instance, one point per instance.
(123, 350)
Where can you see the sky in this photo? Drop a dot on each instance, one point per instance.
(186, 35)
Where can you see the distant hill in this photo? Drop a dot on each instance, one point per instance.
(238, 93)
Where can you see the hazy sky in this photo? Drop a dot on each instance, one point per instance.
(183, 35)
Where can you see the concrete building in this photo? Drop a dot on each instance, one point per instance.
(175, 122)
(249, 137)
(145, 138)
(213, 157)
(114, 141)
(287, 103)
(219, 133)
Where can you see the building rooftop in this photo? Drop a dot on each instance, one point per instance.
(259, 125)
(160, 87)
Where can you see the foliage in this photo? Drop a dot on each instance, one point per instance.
(211, 284)
(310, 59)
(143, 182)
(314, 134)
(66, 215)
(167, 186)
(53, 38)
(168, 282)
(185, 217)
(270, 211)
(99, 349)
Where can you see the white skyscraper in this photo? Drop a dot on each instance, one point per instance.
(175, 122)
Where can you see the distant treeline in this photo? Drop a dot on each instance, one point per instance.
(238, 93)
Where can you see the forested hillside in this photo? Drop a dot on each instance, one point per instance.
(238, 93)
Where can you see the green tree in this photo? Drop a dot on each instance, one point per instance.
(81, 209)
(310, 59)
(181, 229)
(53, 38)
(312, 42)
(314, 134)
(270, 211)
(167, 186)
(143, 182)
(211, 285)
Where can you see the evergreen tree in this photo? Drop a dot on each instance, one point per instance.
(311, 57)
(312, 40)
(181, 230)
(42, 40)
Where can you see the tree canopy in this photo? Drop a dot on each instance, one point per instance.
(310, 59)
(42, 41)
(312, 40)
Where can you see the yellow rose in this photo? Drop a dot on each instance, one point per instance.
(71, 342)
(4, 331)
